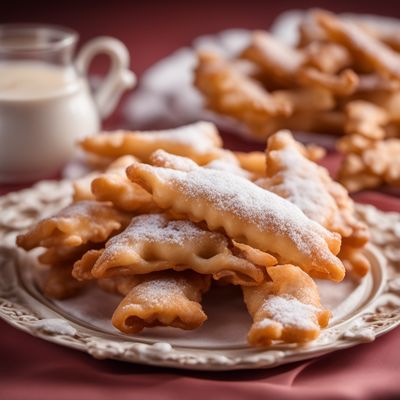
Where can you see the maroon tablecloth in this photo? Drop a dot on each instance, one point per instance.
(33, 369)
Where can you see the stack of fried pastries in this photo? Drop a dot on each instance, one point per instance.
(342, 77)
(174, 211)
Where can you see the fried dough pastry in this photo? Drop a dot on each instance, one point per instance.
(354, 144)
(114, 186)
(119, 284)
(155, 242)
(199, 141)
(305, 99)
(75, 225)
(286, 308)
(363, 46)
(354, 175)
(327, 57)
(307, 185)
(290, 67)
(228, 91)
(59, 255)
(354, 260)
(301, 181)
(366, 119)
(275, 59)
(376, 165)
(375, 82)
(59, 283)
(246, 212)
(253, 161)
(165, 298)
(82, 187)
(343, 84)
(161, 158)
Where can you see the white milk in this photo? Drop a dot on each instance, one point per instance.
(44, 110)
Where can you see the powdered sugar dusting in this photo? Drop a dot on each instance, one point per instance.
(157, 228)
(167, 160)
(222, 165)
(251, 204)
(265, 323)
(158, 291)
(202, 136)
(303, 183)
(289, 311)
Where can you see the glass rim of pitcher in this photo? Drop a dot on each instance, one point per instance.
(66, 37)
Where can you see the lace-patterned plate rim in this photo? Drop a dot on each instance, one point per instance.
(19, 308)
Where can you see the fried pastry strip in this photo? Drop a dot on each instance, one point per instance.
(246, 212)
(291, 67)
(155, 242)
(59, 283)
(366, 119)
(327, 57)
(307, 185)
(374, 166)
(59, 255)
(82, 187)
(287, 308)
(253, 161)
(165, 298)
(343, 84)
(229, 92)
(363, 46)
(306, 99)
(125, 195)
(75, 225)
(199, 141)
(274, 58)
(161, 158)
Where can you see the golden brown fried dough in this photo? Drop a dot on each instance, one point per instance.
(327, 57)
(307, 185)
(363, 46)
(155, 242)
(343, 84)
(287, 308)
(274, 58)
(75, 225)
(163, 299)
(366, 119)
(231, 93)
(247, 213)
(59, 283)
(199, 141)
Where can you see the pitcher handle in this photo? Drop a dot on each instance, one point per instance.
(119, 78)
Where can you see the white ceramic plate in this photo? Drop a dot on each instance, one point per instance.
(361, 311)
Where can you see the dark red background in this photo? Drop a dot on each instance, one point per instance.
(152, 29)
(33, 369)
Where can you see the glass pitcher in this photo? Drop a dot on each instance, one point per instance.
(46, 103)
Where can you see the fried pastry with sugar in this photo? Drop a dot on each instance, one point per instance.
(307, 185)
(75, 225)
(165, 298)
(285, 308)
(246, 212)
(199, 141)
(156, 242)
